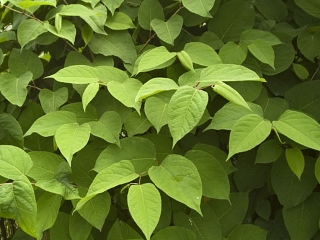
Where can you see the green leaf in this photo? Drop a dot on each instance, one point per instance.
(168, 31)
(289, 189)
(300, 71)
(230, 94)
(14, 89)
(248, 132)
(174, 232)
(89, 93)
(71, 138)
(199, 7)
(136, 124)
(116, 43)
(269, 151)
(272, 107)
(229, 23)
(274, 9)
(185, 110)
(154, 59)
(230, 113)
(233, 53)
(317, 169)
(251, 35)
(309, 44)
(215, 182)
(300, 128)
(29, 30)
(25, 4)
(112, 176)
(302, 221)
(140, 151)
(75, 221)
(144, 202)
(48, 124)
(230, 213)
(10, 131)
(15, 163)
(126, 92)
(178, 177)
(312, 7)
(149, 10)
(185, 60)
(51, 101)
(96, 210)
(68, 30)
(18, 202)
(48, 205)
(108, 127)
(112, 5)
(122, 231)
(227, 72)
(247, 231)
(202, 54)
(295, 160)
(262, 51)
(60, 229)
(119, 21)
(156, 110)
(154, 86)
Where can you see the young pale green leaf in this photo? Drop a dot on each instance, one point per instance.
(156, 109)
(71, 138)
(300, 70)
(202, 54)
(14, 89)
(168, 31)
(226, 73)
(29, 30)
(112, 176)
(300, 128)
(302, 221)
(116, 43)
(295, 161)
(108, 127)
(126, 92)
(185, 110)
(97, 209)
(312, 7)
(48, 124)
(58, 22)
(154, 86)
(18, 202)
(149, 10)
(263, 51)
(30, 4)
(68, 30)
(174, 232)
(317, 169)
(215, 182)
(230, 94)
(11, 132)
(269, 151)
(15, 163)
(154, 59)
(144, 202)
(248, 132)
(112, 5)
(119, 21)
(179, 178)
(185, 60)
(51, 101)
(232, 53)
(199, 7)
(249, 36)
(48, 205)
(89, 93)
(136, 124)
(248, 231)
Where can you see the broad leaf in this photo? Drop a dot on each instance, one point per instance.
(308, 43)
(248, 132)
(112, 5)
(226, 73)
(262, 51)
(178, 177)
(200, 7)
(15, 88)
(250, 36)
(48, 124)
(310, 6)
(71, 138)
(273, 9)
(52, 101)
(247, 231)
(174, 232)
(300, 128)
(232, 53)
(185, 110)
(269, 151)
(136, 124)
(10, 131)
(295, 161)
(144, 202)
(68, 30)
(89, 93)
(119, 21)
(168, 31)
(154, 59)
(230, 94)
(75, 221)
(202, 54)
(149, 10)
(29, 30)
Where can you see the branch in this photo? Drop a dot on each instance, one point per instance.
(23, 13)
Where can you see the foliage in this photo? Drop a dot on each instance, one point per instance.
(150, 119)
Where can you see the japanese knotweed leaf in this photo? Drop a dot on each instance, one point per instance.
(295, 160)
(185, 110)
(178, 177)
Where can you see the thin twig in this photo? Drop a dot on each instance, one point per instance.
(23, 13)
(146, 43)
